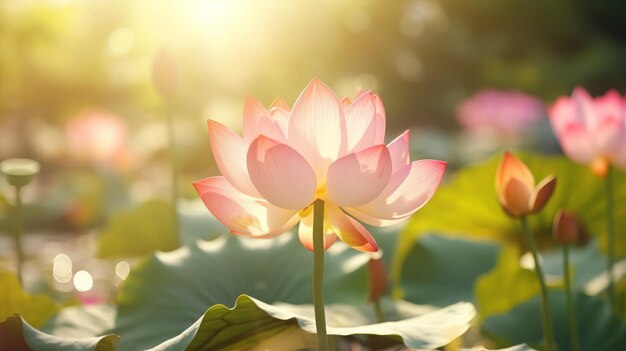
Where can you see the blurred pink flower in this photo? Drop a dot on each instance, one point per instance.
(96, 136)
(504, 112)
(323, 150)
(591, 131)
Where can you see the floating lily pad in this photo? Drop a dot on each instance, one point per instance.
(599, 328)
(170, 291)
(251, 322)
(21, 336)
(82, 321)
(442, 270)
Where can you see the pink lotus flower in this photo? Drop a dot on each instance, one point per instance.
(505, 112)
(591, 131)
(96, 135)
(323, 150)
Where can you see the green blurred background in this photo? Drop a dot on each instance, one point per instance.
(59, 57)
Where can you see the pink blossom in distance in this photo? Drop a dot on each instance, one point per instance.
(96, 135)
(323, 148)
(505, 112)
(591, 131)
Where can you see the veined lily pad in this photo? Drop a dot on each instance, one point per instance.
(21, 336)
(170, 291)
(252, 322)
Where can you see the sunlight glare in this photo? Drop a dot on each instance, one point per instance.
(83, 281)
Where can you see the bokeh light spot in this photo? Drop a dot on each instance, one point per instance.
(83, 281)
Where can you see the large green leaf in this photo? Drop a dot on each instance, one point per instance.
(142, 230)
(37, 309)
(468, 206)
(18, 334)
(599, 328)
(506, 286)
(82, 321)
(170, 291)
(252, 322)
(442, 270)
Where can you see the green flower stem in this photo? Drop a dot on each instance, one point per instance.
(545, 308)
(378, 308)
(610, 229)
(569, 300)
(19, 229)
(318, 274)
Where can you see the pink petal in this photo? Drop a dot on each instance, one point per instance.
(229, 151)
(358, 178)
(585, 107)
(380, 119)
(408, 190)
(281, 174)
(563, 113)
(610, 129)
(243, 214)
(280, 116)
(349, 230)
(305, 231)
(360, 123)
(578, 145)
(257, 121)
(279, 103)
(317, 127)
(360, 92)
(399, 151)
(377, 222)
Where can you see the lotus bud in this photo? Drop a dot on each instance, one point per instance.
(515, 186)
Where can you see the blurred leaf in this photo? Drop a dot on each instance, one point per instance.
(252, 322)
(82, 321)
(18, 334)
(431, 273)
(506, 286)
(599, 328)
(169, 291)
(147, 228)
(468, 206)
(37, 309)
